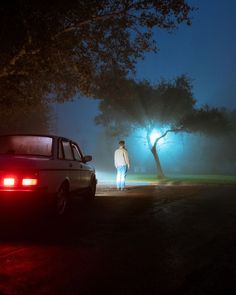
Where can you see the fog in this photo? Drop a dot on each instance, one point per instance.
(180, 154)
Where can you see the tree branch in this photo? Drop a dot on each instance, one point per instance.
(86, 22)
(165, 133)
(8, 71)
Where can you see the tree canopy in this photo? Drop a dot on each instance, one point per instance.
(26, 119)
(167, 107)
(54, 49)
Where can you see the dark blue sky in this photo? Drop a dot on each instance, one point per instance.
(206, 51)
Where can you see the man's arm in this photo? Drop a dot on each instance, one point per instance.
(126, 156)
(115, 159)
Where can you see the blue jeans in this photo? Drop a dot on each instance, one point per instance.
(120, 177)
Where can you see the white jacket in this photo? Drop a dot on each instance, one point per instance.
(121, 157)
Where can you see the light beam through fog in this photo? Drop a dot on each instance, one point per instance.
(214, 62)
(154, 135)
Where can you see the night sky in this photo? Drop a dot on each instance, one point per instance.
(205, 51)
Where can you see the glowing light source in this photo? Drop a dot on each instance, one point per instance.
(29, 181)
(154, 135)
(9, 182)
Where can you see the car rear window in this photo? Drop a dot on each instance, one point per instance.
(26, 145)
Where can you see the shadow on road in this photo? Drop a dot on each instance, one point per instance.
(84, 222)
(87, 221)
(151, 240)
(39, 227)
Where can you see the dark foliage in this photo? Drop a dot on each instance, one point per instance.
(53, 49)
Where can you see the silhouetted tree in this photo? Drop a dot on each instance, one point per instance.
(26, 118)
(169, 106)
(53, 49)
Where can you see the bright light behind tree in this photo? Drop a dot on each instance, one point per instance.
(142, 133)
(154, 135)
(170, 148)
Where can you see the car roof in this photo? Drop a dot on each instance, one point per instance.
(36, 134)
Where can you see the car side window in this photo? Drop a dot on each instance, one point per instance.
(67, 150)
(60, 151)
(76, 152)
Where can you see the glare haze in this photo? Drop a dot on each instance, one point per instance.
(205, 51)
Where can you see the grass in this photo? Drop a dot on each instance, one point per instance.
(187, 179)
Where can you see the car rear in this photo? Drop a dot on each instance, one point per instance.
(21, 160)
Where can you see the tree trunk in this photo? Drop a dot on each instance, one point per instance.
(160, 173)
(153, 149)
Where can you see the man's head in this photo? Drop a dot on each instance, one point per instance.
(121, 143)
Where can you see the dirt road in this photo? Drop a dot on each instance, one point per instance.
(146, 240)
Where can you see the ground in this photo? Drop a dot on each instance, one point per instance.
(154, 239)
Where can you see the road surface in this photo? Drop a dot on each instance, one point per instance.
(147, 240)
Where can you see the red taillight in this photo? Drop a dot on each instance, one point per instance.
(17, 181)
(9, 182)
(29, 181)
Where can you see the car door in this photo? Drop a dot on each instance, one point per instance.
(69, 161)
(84, 173)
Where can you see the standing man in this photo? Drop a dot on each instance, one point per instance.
(122, 165)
